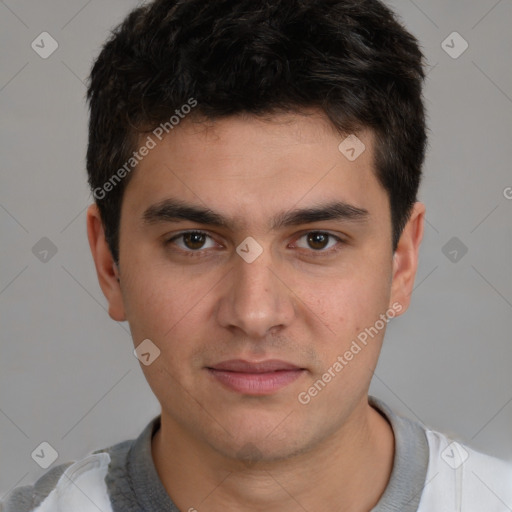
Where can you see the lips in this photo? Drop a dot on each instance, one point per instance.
(241, 366)
(255, 378)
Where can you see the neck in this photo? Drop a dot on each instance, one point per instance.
(347, 472)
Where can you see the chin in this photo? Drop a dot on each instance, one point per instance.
(251, 453)
(252, 443)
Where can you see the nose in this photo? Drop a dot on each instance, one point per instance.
(256, 298)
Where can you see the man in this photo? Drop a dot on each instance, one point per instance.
(255, 168)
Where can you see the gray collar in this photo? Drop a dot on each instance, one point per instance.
(141, 488)
(410, 464)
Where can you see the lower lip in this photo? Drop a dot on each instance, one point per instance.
(256, 383)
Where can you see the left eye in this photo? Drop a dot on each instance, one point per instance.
(318, 240)
(192, 240)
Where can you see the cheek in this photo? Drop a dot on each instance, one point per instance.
(156, 301)
(354, 302)
(174, 311)
(351, 309)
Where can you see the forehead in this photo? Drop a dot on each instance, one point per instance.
(248, 167)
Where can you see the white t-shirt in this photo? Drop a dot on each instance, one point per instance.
(431, 473)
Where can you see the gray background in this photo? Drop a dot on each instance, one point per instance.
(68, 374)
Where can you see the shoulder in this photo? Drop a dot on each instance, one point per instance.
(71, 486)
(462, 478)
(62, 481)
(25, 498)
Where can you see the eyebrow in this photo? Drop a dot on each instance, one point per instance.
(170, 210)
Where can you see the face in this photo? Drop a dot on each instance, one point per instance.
(268, 290)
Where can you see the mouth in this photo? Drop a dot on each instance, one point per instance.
(255, 378)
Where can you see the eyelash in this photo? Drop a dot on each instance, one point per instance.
(200, 252)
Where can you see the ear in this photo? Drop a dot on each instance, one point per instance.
(106, 268)
(405, 258)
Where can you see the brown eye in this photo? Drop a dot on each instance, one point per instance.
(194, 240)
(317, 240)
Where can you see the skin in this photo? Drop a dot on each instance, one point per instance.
(218, 449)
